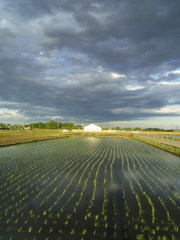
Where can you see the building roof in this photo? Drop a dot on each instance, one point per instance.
(92, 125)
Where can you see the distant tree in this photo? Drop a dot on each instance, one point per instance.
(78, 127)
(3, 126)
(39, 125)
(35, 125)
(170, 130)
(128, 129)
(68, 125)
(137, 129)
(51, 125)
(154, 129)
(16, 126)
(116, 128)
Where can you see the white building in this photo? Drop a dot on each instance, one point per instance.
(65, 130)
(92, 128)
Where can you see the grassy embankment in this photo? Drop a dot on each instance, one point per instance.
(162, 146)
(13, 137)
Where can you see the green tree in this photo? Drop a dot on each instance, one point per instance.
(68, 125)
(78, 127)
(51, 125)
(39, 125)
(3, 126)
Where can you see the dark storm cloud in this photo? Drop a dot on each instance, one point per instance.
(123, 34)
(96, 60)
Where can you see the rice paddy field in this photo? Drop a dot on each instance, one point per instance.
(87, 188)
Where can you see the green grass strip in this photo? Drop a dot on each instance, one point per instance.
(162, 146)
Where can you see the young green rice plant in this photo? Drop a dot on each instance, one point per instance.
(88, 168)
(46, 188)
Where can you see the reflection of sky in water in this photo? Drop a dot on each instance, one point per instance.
(133, 175)
(92, 139)
(165, 184)
(114, 187)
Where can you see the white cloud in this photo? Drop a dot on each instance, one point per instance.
(4, 23)
(157, 122)
(56, 117)
(2, 103)
(170, 83)
(11, 114)
(123, 110)
(133, 88)
(168, 109)
(176, 72)
(164, 74)
(117, 75)
(164, 110)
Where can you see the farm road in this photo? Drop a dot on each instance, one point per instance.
(168, 142)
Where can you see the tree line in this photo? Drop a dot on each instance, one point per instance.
(70, 125)
(40, 125)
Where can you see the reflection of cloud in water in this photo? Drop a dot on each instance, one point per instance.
(92, 139)
(114, 187)
(133, 175)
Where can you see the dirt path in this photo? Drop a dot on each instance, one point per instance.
(168, 142)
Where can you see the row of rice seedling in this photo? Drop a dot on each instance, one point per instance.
(77, 173)
(72, 167)
(93, 211)
(157, 173)
(90, 179)
(28, 182)
(89, 188)
(21, 198)
(83, 181)
(151, 178)
(147, 186)
(29, 169)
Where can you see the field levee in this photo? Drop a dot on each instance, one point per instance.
(14, 137)
(171, 146)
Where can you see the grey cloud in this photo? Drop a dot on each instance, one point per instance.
(150, 27)
(66, 67)
(5, 36)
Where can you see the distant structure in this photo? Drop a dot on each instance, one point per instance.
(65, 130)
(27, 128)
(92, 128)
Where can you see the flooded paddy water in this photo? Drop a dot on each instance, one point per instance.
(87, 189)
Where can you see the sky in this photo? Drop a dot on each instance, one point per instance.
(113, 63)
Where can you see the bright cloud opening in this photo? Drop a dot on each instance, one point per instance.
(117, 75)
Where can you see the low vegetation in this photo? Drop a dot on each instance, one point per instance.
(13, 137)
(160, 145)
